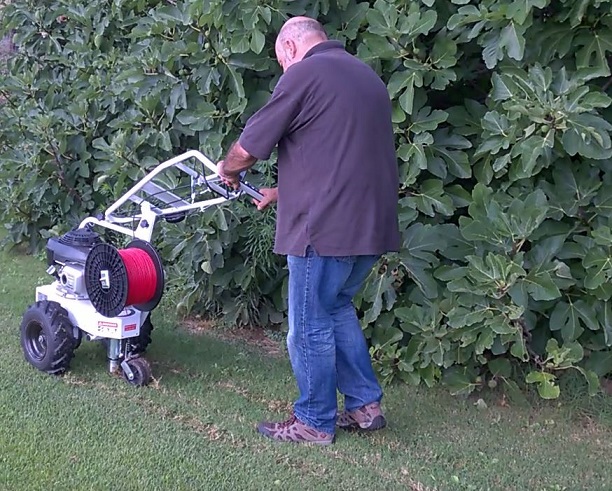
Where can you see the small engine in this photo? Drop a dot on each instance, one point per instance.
(66, 258)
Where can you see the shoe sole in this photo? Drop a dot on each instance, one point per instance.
(318, 443)
(378, 423)
(321, 443)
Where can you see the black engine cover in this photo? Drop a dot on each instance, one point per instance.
(72, 247)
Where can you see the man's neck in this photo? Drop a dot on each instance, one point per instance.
(308, 45)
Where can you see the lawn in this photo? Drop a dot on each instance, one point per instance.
(193, 428)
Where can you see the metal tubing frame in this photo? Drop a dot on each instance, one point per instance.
(149, 214)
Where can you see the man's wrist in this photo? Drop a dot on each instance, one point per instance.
(238, 160)
(221, 167)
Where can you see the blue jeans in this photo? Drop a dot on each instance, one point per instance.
(326, 345)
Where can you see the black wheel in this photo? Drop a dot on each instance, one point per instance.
(139, 344)
(47, 337)
(77, 337)
(141, 370)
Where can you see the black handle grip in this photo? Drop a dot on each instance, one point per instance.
(251, 190)
(245, 187)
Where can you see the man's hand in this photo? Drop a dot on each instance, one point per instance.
(270, 195)
(228, 179)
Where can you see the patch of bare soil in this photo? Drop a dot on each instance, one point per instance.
(252, 336)
(606, 386)
(273, 405)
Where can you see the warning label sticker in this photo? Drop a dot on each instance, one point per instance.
(104, 326)
(130, 327)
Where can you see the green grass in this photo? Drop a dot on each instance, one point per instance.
(193, 428)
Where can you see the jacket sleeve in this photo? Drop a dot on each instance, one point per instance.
(267, 126)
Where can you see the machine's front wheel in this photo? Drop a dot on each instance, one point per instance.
(141, 372)
(46, 337)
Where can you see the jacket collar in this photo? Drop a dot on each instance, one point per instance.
(323, 46)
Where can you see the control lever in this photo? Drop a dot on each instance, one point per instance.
(251, 190)
(244, 187)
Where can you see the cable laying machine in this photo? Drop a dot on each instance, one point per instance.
(103, 293)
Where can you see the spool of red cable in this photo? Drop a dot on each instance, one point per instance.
(131, 277)
(141, 275)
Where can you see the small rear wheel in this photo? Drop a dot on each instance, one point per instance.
(47, 337)
(141, 372)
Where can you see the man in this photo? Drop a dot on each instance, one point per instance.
(337, 193)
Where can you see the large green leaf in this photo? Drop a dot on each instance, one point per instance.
(545, 383)
(571, 318)
(545, 274)
(571, 188)
(605, 319)
(459, 381)
(489, 222)
(405, 82)
(600, 363)
(509, 39)
(519, 10)
(417, 22)
(598, 264)
(593, 54)
(382, 18)
(431, 199)
(588, 135)
(535, 153)
(417, 255)
(447, 155)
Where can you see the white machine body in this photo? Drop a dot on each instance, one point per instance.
(84, 316)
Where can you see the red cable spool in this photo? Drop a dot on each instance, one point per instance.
(141, 276)
(131, 277)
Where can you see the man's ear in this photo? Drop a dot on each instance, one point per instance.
(290, 49)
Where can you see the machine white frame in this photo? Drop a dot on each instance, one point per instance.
(206, 189)
(200, 183)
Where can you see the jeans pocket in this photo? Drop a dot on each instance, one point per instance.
(346, 259)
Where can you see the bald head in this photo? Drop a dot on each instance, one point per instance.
(301, 29)
(297, 36)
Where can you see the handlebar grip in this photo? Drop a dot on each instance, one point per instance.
(251, 190)
(245, 187)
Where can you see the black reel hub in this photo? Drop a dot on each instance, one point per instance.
(106, 280)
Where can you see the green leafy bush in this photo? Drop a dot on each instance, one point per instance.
(501, 112)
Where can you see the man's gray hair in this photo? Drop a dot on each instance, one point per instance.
(301, 29)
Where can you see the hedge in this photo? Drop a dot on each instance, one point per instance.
(501, 113)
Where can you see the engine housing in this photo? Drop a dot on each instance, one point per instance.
(66, 257)
(72, 247)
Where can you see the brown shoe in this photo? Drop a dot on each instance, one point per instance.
(293, 430)
(365, 418)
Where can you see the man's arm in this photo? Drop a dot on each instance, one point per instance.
(236, 161)
(261, 134)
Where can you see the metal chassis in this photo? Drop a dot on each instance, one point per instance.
(149, 213)
(140, 226)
